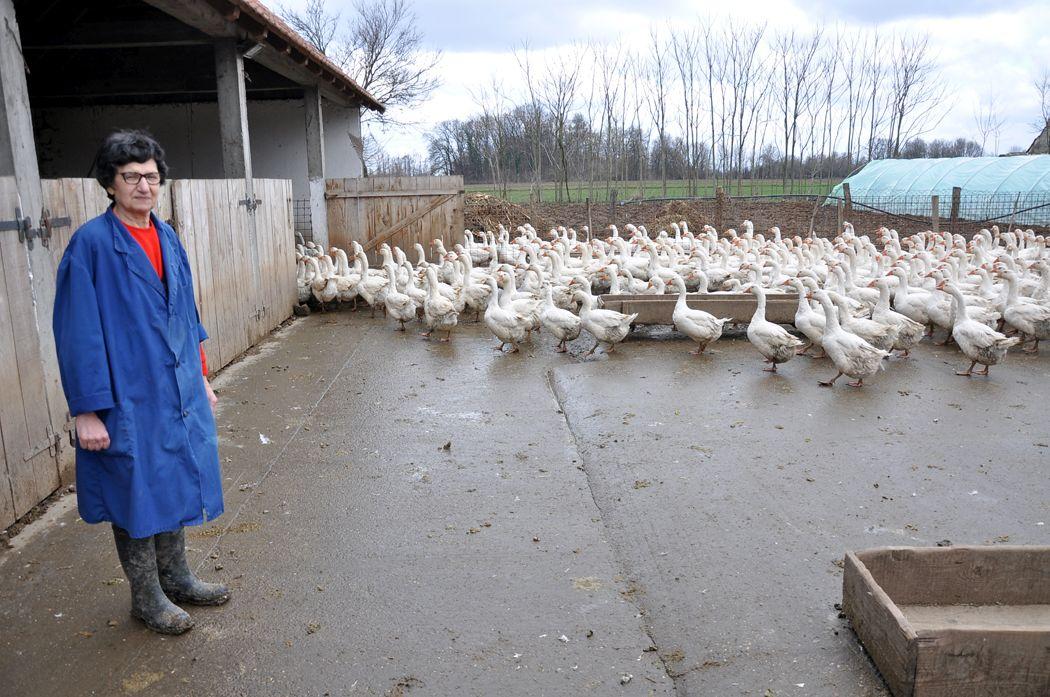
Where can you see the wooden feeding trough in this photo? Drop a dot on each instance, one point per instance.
(657, 309)
(953, 621)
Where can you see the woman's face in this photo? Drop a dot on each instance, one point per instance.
(141, 196)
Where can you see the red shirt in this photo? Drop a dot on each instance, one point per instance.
(150, 243)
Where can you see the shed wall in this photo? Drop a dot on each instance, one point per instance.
(67, 137)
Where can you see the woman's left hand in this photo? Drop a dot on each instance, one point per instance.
(212, 399)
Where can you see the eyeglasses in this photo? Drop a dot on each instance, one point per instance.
(133, 178)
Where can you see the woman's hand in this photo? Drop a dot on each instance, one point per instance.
(91, 432)
(212, 399)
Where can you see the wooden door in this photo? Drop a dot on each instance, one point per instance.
(28, 440)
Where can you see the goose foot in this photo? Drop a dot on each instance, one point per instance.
(402, 327)
(593, 348)
(981, 372)
(858, 383)
(699, 350)
(771, 369)
(904, 354)
(562, 348)
(1034, 349)
(425, 335)
(831, 382)
(802, 351)
(513, 348)
(500, 347)
(448, 337)
(822, 355)
(968, 372)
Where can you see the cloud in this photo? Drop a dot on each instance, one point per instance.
(867, 11)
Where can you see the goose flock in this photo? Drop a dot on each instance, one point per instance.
(861, 298)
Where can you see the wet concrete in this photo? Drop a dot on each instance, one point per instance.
(677, 519)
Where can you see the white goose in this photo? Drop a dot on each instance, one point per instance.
(606, 326)
(507, 325)
(978, 341)
(562, 324)
(909, 332)
(702, 327)
(852, 355)
(438, 311)
(398, 305)
(1031, 319)
(772, 341)
(807, 320)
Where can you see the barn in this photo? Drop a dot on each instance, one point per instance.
(253, 119)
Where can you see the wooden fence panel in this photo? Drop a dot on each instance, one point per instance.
(30, 468)
(401, 211)
(243, 262)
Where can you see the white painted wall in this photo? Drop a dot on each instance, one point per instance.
(67, 138)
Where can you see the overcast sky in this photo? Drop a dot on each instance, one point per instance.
(983, 47)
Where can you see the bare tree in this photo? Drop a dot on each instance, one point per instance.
(685, 46)
(381, 48)
(988, 121)
(917, 92)
(535, 118)
(558, 89)
(1042, 88)
(315, 23)
(657, 79)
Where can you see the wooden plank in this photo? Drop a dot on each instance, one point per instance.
(193, 209)
(393, 194)
(25, 418)
(14, 436)
(879, 625)
(214, 214)
(415, 217)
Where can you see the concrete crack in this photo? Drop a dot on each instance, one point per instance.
(589, 476)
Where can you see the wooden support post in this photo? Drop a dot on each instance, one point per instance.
(849, 202)
(233, 111)
(720, 208)
(935, 213)
(315, 165)
(590, 225)
(838, 205)
(956, 200)
(612, 206)
(29, 269)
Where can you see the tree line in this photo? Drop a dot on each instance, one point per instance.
(720, 100)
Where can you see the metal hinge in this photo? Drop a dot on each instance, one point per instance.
(27, 233)
(50, 444)
(250, 203)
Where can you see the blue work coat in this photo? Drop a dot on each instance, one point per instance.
(128, 350)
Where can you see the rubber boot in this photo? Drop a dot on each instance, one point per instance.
(180, 584)
(138, 558)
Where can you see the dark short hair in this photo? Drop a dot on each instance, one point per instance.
(122, 147)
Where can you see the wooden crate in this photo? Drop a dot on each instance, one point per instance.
(657, 309)
(953, 621)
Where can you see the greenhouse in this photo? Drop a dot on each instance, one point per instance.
(993, 189)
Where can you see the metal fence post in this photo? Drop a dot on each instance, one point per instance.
(935, 212)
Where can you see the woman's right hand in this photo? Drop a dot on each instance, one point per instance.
(91, 432)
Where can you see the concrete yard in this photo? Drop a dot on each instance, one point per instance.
(406, 517)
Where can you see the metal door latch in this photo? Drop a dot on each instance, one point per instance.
(250, 203)
(27, 233)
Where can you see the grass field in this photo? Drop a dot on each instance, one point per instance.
(519, 193)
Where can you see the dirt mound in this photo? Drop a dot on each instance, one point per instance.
(484, 212)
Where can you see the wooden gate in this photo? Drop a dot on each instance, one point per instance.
(242, 250)
(28, 440)
(400, 211)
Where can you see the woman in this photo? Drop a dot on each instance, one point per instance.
(128, 337)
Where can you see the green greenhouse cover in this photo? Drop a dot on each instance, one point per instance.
(992, 187)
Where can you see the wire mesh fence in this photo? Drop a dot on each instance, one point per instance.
(301, 217)
(1024, 209)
